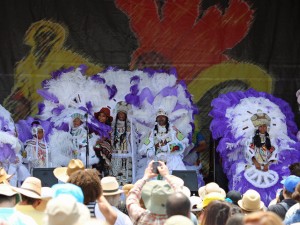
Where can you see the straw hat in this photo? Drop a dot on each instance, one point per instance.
(251, 201)
(186, 191)
(65, 210)
(4, 176)
(213, 196)
(31, 187)
(196, 203)
(110, 186)
(155, 194)
(6, 189)
(126, 188)
(63, 173)
(177, 180)
(178, 220)
(210, 188)
(46, 195)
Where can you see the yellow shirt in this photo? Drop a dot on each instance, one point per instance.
(32, 212)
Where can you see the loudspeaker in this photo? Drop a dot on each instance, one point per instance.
(189, 177)
(45, 175)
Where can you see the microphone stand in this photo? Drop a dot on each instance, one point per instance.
(87, 150)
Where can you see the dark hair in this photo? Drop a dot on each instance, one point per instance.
(236, 219)
(89, 182)
(35, 122)
(178, 204)
(295, 169)
(28, 200)
(257, 141)
(123, 135)
(4, 198)
(216, 213)
(167, 126)
(296, 194)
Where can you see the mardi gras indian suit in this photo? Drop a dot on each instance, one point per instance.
(37, 154)
(256, 140)
(260, 154)
(166, 143)
(122, 165)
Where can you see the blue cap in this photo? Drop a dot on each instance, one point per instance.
(290, 183)
(68, 189)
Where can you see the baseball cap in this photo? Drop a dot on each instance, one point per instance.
(290, 183)
(68, 189)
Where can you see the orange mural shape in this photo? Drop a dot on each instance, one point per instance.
(179, 38)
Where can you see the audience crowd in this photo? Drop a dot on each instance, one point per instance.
(83, 197)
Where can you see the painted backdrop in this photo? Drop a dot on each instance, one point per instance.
(216, 46)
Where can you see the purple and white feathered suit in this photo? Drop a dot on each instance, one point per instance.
(11, 146)
(232, 125)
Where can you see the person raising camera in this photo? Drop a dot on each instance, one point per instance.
(154, 194)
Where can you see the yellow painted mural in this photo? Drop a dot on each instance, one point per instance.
(47, 54)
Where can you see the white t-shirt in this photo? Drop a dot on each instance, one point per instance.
(122, 218)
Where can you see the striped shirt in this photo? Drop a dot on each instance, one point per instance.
(91, 207)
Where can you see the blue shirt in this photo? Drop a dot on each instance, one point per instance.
(14, 217)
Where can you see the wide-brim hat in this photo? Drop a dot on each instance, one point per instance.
(196, 203)
(46, 195)
(31, 187)
(106, 111)
(210, 188)
(155, 194)
(63, 173)
(251, 202)
(178, 219)
(213, 196)
(4, 176)
(7, 190)
(65, 210)
(126, 188)
(110, 186)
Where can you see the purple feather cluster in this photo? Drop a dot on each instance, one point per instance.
(220, 128)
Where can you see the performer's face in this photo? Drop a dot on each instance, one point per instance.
(121, 116)
(161, 120)
(77, 122)
(102, 118)
(263, 129)
(40, 134)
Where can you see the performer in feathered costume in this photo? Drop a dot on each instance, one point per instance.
(103, 147)
(163, 114)
(146, 91)
(37, 151)
(165, 143)
(10, 158)
(79, 136)
(260, 152)
(70, 95)
(121, 142)
(70, 89)
(257, 140)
